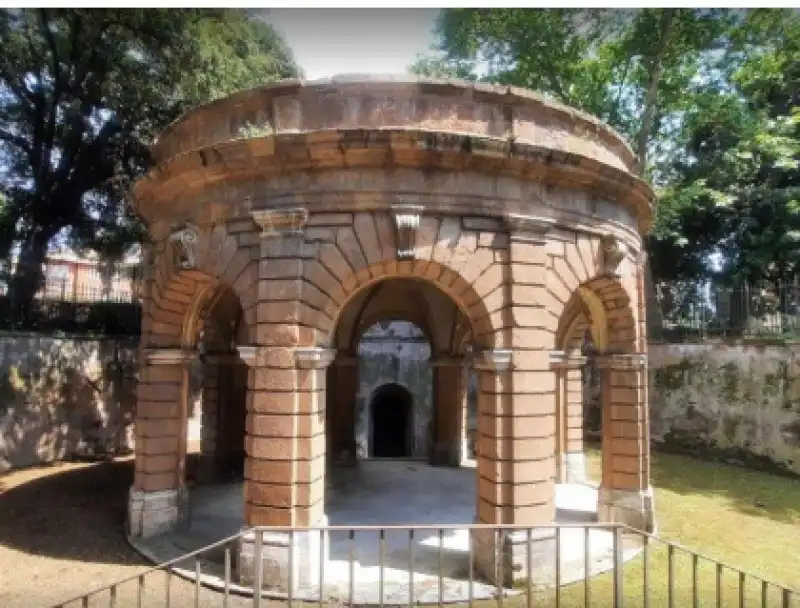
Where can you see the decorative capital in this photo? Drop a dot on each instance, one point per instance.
(313, 357)
(497, 360)
(185, 240)
(248, 354)
(169, 356)
(527, 227)
(281, 222)
(561, 360)
(622, 362)
(613, 252)
(406, 221)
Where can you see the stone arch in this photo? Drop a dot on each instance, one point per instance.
(486, 327)
(190, 278)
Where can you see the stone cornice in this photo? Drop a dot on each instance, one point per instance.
(275, 155)
(313, 357)
(561, 360)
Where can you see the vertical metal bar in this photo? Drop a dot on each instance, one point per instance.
(258, 567)
(645, 571)
(85, 601)
(671, 575)
(441, 566)
(618, 600)
(381, 556)
(719, 585)
(587, 565)
(139, 591)
(695, 581)
(352, 543)
(290, 586)
(167, 587)
(764, 594)
(321, 567)
(558, 567)
(411, 567)
(470, 572)
(112, 597)
(787, 599)
(741, 589)
(499, 554)
(196, 581)
(226, 592)
(529, 568)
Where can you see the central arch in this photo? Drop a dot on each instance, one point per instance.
(391, 409)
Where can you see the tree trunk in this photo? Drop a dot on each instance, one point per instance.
(28, 274)
(653, 320)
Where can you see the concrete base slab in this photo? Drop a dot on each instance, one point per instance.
(384, 493)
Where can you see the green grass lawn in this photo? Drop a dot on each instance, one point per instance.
(745, 519)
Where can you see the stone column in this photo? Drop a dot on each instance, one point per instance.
(341, 396)
(449, 394)
(285, 444)
(569, 430)
(625, 492)
(516, 418)
(158, 498)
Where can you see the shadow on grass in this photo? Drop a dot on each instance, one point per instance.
(754, 493)
(75, 514)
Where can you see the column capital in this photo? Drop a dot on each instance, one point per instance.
(170, 356)
(562, 360)
(528, 228)
(496, 360)
(281, 222)
(313, 357)
(622, 362)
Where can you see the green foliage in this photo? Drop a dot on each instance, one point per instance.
(707, 97)
(82, 94)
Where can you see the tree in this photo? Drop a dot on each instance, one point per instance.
(82, 94)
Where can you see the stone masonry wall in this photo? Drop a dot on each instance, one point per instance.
(740, 403)
(64, 397)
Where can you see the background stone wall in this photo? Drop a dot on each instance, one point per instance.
(740, 402)
(64, 397)
(70, 397)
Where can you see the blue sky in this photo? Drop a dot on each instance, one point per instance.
(327, 42)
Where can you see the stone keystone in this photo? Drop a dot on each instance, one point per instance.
(281, 222)
(406, 221)
(185, 240)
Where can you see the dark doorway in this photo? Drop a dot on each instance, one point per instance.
(390, 410)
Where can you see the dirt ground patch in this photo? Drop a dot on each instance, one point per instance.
(62, 535)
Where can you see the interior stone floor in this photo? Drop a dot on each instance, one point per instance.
(391, 493)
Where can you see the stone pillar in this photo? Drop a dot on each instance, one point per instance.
(516, 420)
(449, 395)
(341, 414)
(209, 466)
(571, 465)
(285, 469)
(158, 497)
(625, 492)
(285, 444)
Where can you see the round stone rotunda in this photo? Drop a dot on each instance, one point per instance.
(285, 221)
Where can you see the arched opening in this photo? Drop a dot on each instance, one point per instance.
(390, 411)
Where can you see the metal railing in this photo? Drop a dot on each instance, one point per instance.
(637, 570)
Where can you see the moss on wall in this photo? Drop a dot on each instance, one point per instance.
(735, 403)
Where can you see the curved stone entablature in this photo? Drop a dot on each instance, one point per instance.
(365, 102)
(448, 131)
